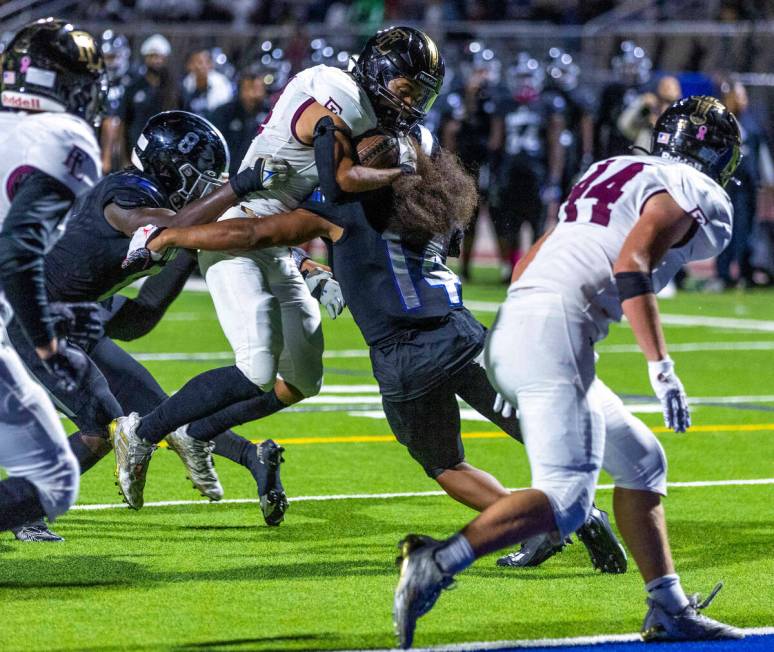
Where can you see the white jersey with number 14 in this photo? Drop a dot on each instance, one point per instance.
(577, 259)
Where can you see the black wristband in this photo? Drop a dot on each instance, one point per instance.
(633, 284)
(245, 182)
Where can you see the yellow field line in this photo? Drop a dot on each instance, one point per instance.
(372, 439)
(380, 439)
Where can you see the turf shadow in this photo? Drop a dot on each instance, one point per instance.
(275, 642)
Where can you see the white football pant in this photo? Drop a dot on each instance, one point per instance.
(268, 316)
(540, 357)
(33, 444)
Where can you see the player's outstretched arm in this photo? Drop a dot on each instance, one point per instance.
(263, 175)
(282, 229)
(663, 224)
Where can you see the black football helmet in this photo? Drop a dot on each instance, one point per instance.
(399, 52)
(49, 65)
(700, 131)
(184, 153)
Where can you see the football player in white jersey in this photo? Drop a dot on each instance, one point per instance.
(54, 83)
(265, 308)
(625, 229)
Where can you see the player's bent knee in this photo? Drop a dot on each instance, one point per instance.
(58, 484)
(258, 372)
(648, 472)
(570, 500)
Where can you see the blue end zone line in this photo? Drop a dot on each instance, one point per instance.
(757, 639)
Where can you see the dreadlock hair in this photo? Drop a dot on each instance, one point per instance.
(438, 200)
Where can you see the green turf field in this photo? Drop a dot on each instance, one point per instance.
(212, 576)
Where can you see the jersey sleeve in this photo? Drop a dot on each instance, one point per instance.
(129, 190)
(337, 91)
(65, 148)
(707, 203)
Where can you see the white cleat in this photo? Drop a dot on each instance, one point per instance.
(686, 625)
(133, 455)
(196, 456)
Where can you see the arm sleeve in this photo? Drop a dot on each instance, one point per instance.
(38, 208)
(325, 159)
(137, 317)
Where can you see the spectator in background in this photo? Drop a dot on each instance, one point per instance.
(149, 90)
(744, 194)
(204, 88)
(239, 119)
(637, 120)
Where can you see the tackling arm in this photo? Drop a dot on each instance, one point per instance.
(282, 229)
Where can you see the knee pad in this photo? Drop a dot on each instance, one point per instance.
(571, 499)
(309, 385)
(643, 466)
(260, 369)
(58, 483)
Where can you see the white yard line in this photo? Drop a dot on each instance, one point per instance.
(406, 494)
(679, 347)
(574, 641)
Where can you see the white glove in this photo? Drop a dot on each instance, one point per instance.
(139, 257)
(407, 155)
(274, 171)
(326, 290)
(501, 406)
(669, 390)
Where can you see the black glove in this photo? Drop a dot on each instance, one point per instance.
(69, 365)
(265, 173)
(62, 318)
(80, 323)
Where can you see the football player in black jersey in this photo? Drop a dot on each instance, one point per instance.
(389, 253)
(177, 166)
(526, 185)
(467, 112)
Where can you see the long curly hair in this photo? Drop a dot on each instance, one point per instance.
(440, 199)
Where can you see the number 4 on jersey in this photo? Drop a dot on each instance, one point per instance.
(593, 199)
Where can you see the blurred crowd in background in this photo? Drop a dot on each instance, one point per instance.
(523, 114)
(267, 12)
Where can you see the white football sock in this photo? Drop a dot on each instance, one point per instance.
(668, 592)
(456, 555)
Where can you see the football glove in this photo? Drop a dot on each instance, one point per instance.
(501, 406)
(68, 365)
(80, 323)
(326, 290)
(669, 390)
(407, 155)
(139, 258)
(264, 175)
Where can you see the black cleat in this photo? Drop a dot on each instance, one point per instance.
(264, 463)
(533, 552)
(36, 531)
(606, 552)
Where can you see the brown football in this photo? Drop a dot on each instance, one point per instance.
(378, 150)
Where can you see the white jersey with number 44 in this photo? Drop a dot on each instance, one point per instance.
(577, 259)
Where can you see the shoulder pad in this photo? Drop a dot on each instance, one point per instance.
(131, 189)
(338, 92)
(706, 202)
(65, 148)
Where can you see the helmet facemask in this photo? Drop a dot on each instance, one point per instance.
(194, 185)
